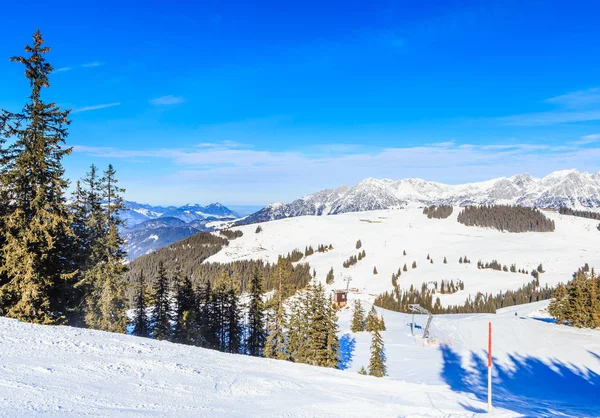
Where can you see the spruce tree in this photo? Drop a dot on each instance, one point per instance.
(297, 329)
(333, 343)
(362, 370)
(255, 342)
(372, 322)
(141, 326)
(233, 314)
(38, 268)
(161, 315)
(275, 345)
(377, 361)
(185, 313)
(112, 294)
(358, 317)
(330, 277)
(317, 326)
(375, 270)
(205, 314)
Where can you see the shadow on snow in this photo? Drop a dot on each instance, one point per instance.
(528, 386)
(347, 345)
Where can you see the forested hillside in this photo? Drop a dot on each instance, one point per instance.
(506, 218)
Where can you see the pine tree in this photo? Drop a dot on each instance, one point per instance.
(205, 314)
(330, 277)
(414, 264)
(233, 314)
(141, 326)
(377, 362)
(445, 261)
(161, 315)
(375, 270)
(362, 370)
(358, 244)
(297, 329)
(372, 322)
(333, 343)
(317, 326)
(255, 342)
(38, 269)
(185, 312)
(275, 346)
(404, 268)
(358, 317)
(112, 299)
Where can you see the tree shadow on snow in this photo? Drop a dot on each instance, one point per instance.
(347, 345)
(528, 386)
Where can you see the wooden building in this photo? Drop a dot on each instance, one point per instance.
(340, 298)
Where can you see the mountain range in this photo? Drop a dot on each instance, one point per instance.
(570, 188)
(152, 227)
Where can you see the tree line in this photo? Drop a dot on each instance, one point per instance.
(60, 262)
(399, 301)
(506, 218)
(438, 212)
(580, 213)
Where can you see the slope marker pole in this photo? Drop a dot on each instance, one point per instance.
(489, 367)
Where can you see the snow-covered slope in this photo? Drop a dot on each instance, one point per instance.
(386, 233)
(569, 188)
(62, 371)
(540, 370)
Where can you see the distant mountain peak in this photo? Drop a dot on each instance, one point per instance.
(570, 188)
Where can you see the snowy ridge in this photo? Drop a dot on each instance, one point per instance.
(569, 188)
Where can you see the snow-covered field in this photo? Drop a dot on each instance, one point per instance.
(541, 369)
(386, 234)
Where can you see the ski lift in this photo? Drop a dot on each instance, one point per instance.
(419, 309)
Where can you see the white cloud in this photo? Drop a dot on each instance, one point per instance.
(577, 99)
(95, 107)
(258, 176)
(167, 100)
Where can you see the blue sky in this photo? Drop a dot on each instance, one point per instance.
(256, 102)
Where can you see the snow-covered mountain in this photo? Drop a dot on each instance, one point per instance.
(569, 188)
(137, 213)
(150, 228)
(194, 212)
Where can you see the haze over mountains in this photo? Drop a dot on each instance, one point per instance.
(569, 188)
(152, 227)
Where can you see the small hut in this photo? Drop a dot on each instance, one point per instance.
(340, 298)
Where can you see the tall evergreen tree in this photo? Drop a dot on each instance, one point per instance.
(377, 361)
(38, 268)
(358, 317)
(317, 324)
(275, 346)
(141, 326)
(333, 343)
(185, 312)
(234, 328)
(161, 315)
(205, 314)
(255, 342)
(297, 329)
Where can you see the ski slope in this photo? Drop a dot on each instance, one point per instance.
(63, 371)
(541, 369)
(386, 234)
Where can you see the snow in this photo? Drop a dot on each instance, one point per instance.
(562, 188)
(62, 371)
(540, 369)
(385, 234)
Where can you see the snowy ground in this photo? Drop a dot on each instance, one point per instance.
(541, 369)
(385, 234)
